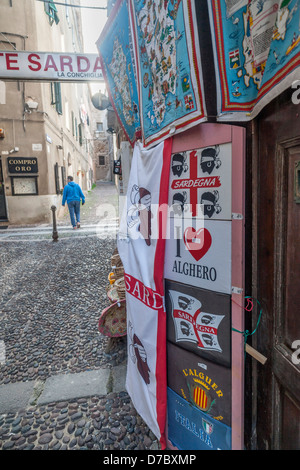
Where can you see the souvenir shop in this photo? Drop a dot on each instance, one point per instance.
(207, 95)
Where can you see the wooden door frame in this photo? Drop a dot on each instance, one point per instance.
(280, 352)
(4, 219)
(252, 154)
(279, 155)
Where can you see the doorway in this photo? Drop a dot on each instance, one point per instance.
(278, 274)
(3, 213)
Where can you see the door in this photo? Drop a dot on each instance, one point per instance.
(278, 275)
(3, 215)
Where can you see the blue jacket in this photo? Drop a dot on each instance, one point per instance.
(72, 192)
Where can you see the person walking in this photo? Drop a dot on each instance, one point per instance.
(73, 195)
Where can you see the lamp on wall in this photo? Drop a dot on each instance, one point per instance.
(15, 149)
(30, 106)
(100, 101)
(110, 130)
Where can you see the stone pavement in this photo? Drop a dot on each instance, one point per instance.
(99, 216)
(101, 204)
(62, 383)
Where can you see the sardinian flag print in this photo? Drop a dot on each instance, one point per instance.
(194, 325)
(199, 320)
(141, 246)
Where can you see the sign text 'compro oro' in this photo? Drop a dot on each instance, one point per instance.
(21, 65)
(22, 165)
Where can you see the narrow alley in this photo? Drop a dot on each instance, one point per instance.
(62, 382)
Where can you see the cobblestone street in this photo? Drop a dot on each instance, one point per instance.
(51, 298)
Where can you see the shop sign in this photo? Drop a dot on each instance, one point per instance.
(199, 320)
(202, 383)
(37, 147)
(191, 429)
(70, 67)
(22, 165)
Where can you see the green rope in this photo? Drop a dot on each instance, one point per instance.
(246, 333)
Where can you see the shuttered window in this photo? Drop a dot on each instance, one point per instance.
(56, 176)
(73, 123)
(80, 133)
(63, 176)
(56, 96)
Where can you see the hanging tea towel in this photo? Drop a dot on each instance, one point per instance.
(141, 245)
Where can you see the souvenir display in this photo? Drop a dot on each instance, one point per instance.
(142, 255)
(203, 383)
(191, 429)
(199, 320)
(200, 183)
(112, 322)
(116, 56)
(256, 50)
(200, 254)
(168, 65)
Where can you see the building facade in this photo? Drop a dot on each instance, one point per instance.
(102, 142)
(46, 126)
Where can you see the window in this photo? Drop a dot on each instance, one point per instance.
(67, 114)
(73, 123)
(63, 176)
(99, 129)
(101, 160)
(51, 11)
(24, 186)
(56, 96)
(80, 133)
(76, 129)
(56, 176)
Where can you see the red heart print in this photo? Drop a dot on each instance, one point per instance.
(197, 242)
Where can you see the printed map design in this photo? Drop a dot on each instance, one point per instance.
(168, 75)
(118, 68)
(159, 45)
(257, 46)
(116, 56)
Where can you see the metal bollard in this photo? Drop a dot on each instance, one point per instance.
(54, 233)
